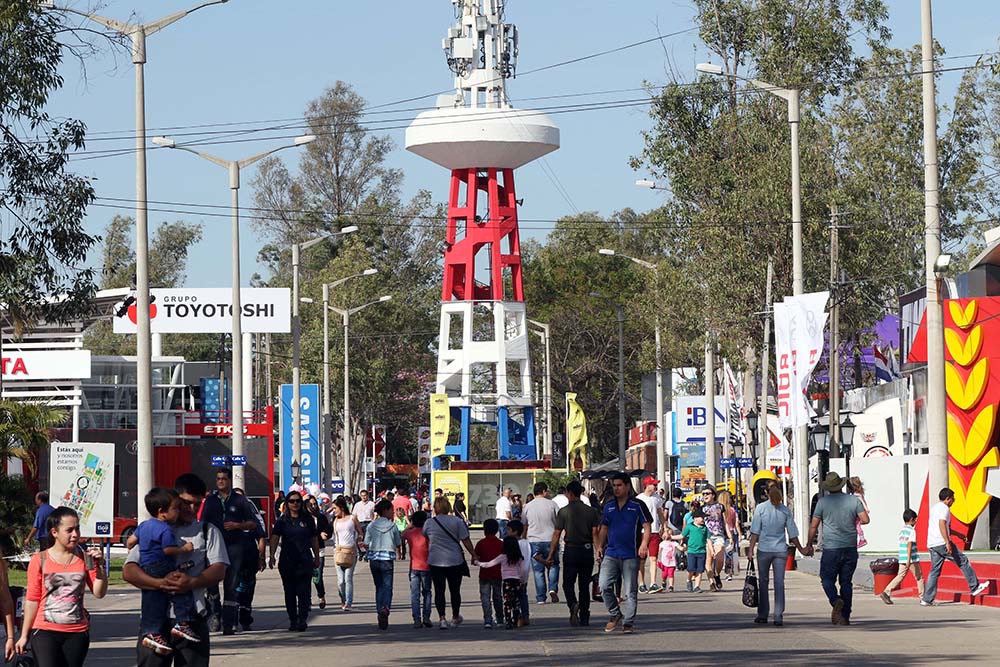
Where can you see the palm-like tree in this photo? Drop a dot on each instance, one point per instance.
(26, 429)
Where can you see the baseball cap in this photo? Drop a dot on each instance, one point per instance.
(650, 480)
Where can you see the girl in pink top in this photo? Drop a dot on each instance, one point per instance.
(514, 570)
(666, 559)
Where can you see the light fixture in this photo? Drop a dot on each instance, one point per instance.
(305, 299)
(847, 433)
(349, 230)
(164, 142)
(709, 68)
(819, 438)
(606, 251)
(646, 183)
(296, 470)
(369, 272)
(387, 297)
(752, 421)
(304, 139)
(942, 263)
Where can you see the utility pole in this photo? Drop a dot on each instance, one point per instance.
(763, 438)
(711, 453)
(834, 332)
(937, 427)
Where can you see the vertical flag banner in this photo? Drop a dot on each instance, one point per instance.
(440, 423)
(798, 331)
(423, 450)
(576, 432)
(309, 434)
(734, 399)
(378, 446)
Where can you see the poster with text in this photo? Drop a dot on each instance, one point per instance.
(81, 477)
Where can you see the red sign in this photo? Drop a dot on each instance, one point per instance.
(226, 430)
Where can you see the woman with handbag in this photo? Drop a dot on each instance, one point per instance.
(347, 534)
(446, 535)
(772, 521)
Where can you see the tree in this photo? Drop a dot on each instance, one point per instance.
(26, 431)
(47, 246)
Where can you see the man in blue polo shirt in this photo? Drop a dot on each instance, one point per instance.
(623, 539)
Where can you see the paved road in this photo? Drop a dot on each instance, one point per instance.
(680, 628)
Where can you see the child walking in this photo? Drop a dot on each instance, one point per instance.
(382, 538)
(515, 528)
(402, 523)
(514, 570)
(420, 571)
(490, 578)
(666, 558)
(696, 535)
(909, 561)
(159, 550)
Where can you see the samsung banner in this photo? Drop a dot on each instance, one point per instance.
(209, 310)
(309, 428)
(82, 477)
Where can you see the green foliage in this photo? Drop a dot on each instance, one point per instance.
(43, 250)
(556, 479)
(26, 430)
(17, 511)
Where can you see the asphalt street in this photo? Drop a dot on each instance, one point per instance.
(678, 628)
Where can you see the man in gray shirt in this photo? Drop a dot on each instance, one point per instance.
(206, 567)
(540, 518)
(838, 514)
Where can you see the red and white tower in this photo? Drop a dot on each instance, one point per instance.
(483, 362)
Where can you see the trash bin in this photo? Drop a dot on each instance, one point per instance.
(790, 563)
(885, 570)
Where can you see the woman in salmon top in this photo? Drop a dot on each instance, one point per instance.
(55, 621)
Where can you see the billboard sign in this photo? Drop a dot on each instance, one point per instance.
(210, 310)
(197, 430)
(309, 420)
(81, 476)
(423, 450)
(47, 365)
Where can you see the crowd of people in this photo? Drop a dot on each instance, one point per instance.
(197, 558)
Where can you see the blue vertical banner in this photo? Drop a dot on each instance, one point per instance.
(309, 424)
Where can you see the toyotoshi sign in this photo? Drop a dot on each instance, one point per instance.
(210, 310)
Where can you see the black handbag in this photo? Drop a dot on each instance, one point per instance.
(465, 564)
(751, 590)
(682, 560)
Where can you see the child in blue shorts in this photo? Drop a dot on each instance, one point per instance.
(695, 534)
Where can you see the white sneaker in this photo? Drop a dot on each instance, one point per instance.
(925, 603)
(444, 624)
(980, 588)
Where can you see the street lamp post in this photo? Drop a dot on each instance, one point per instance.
(545, 332)
(297, 248)
(327, 460)
(791, 96)
(846, 441)
(661, 453)
(143, 343)
(620, 313)
(234, 167)
(346, 313)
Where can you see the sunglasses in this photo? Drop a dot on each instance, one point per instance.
(295, 500)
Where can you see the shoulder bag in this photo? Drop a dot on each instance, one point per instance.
(751, 591)
(343, 556)
(465, 565)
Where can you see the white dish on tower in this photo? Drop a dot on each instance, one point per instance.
(501, 138)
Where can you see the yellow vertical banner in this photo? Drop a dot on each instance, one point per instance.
(440, 423)
(576, 433)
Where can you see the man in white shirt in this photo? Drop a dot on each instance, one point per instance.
(540, 517)
(561, 500)
(940, 547)
(504, 510)
(654, 503)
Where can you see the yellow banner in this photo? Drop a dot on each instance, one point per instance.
(576, 433)
(451, 482)
(440, 423)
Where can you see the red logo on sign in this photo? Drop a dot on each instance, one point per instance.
(133, 312)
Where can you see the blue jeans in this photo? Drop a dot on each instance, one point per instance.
(541, 587)
(420, 591)
(837, 566)
(155, 605)
(382, 575)
(491, 597)
(503, 528)
(765, 561)
(938, 556)
(523, 600)
(345, 583)
(628, 570)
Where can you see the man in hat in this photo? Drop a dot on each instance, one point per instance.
(838, 512)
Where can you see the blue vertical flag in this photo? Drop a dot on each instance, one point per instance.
(309, 426)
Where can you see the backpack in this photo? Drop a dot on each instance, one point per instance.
(677, 512)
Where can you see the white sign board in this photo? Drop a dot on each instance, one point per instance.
(692, 413)
(46, 365)
(210, 310)
(82, 477)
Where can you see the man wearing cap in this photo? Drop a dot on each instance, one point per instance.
(838, 513)
(623, 539)
(654, 503)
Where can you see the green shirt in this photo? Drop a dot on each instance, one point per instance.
(697, 537)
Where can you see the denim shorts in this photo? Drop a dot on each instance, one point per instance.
(696, 563)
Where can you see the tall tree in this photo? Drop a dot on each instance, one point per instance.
(44, 253)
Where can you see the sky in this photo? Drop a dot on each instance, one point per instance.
(260, 60)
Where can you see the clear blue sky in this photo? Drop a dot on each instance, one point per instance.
(258, 59)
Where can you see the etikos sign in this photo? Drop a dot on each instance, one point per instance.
(210, 310)
(226, 430)
(47, 365)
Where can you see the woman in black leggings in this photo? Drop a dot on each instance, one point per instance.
(447, 534)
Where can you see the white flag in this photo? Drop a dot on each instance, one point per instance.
(798, 330)
(734, 400)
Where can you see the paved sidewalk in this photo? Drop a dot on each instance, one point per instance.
(679, 628)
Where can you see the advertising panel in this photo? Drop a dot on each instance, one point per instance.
(47, 365)
(424, 450)
(209, 310)
(440, 423)
(309, 434)
(81, 477)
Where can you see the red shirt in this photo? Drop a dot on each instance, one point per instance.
(487, 549)
(417, 542)
(59, 593)
(402, 502)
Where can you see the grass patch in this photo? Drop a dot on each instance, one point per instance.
(20, 577)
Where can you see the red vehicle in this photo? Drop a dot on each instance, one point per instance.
(123, 529)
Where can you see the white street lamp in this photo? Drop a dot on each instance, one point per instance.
(661, 453)
(138, 33)
(234, 167)
(346, 315)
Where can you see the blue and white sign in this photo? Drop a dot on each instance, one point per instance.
(745, 462)
(238, 460)
(337, 485)
(309, 434)
(220, 461)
